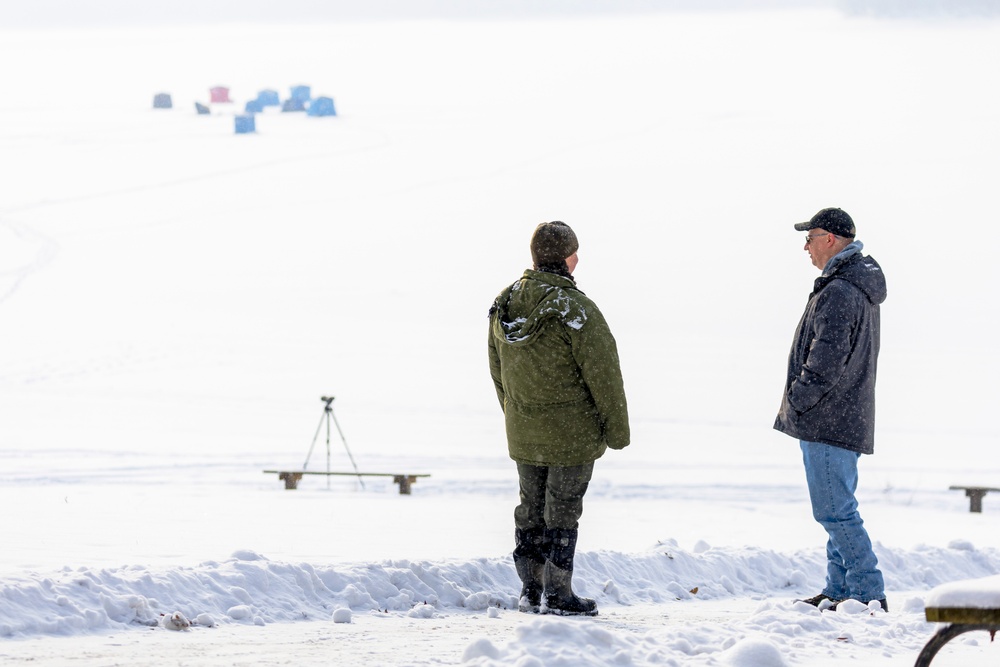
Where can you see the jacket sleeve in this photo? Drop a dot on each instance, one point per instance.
(834, 323)
(596, 353)
(495, 366)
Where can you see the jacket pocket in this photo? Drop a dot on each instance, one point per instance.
(571, 423)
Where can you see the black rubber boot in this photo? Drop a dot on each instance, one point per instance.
(529, 561)
(559, 597)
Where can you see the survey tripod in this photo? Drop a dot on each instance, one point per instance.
(327, 417)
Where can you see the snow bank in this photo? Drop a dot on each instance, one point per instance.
(251, 589)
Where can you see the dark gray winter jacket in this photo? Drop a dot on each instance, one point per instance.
(830, 388)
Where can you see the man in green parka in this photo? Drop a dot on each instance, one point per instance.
(555, 366)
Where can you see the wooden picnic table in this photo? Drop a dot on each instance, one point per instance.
(975, 494)
(963, 606)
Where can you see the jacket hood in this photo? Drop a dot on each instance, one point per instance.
(523, 308)
(862, 271)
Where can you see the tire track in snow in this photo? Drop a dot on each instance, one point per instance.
(46, 249)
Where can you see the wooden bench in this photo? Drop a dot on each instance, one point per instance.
(975, 494)
(291, 477)
(965, 606)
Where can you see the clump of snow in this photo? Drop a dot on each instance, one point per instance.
(480, 648)
(239, 612)
(175, 621)
(205, 620)
(342, 615)
(561, 641)
(754, 653)
(798, 578)
(422, 611)
(478, 601)
(852, 607)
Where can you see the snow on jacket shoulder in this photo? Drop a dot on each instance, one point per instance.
(555, 367)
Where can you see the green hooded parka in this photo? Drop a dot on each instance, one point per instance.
(555, 366)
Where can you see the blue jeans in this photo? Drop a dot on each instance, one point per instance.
(852, 568)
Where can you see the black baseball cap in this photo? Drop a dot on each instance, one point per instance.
(834, 220)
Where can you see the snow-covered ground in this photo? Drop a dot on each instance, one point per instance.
(175, 298)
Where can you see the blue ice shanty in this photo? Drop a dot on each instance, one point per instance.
(162, 101)
(245, 124)
(322, 106)
(268, 98)
(302, 94)
(292, 104)
(254, 106)
(201, 108)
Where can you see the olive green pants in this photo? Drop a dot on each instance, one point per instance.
(551, 496)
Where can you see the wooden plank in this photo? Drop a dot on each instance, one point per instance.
(963, 615)
(349, 474)
(291, 477)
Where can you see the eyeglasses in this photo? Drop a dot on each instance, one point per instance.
(810, 237)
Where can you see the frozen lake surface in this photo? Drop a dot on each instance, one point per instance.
(174, 298)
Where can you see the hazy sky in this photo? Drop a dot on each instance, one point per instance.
(84, 13)
(41, 13)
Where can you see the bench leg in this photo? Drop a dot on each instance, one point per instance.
(975, 499)
(945, 635)
(404, 481)
(291, 479)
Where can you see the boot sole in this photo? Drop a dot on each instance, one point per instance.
(564, 612)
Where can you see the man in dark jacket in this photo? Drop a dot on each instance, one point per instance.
(829, 400)
(555, 367)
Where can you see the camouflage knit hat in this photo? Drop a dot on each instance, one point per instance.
(552, 243)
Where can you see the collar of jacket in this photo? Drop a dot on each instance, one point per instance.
(851, 249)
(834, 268)
(551, 279)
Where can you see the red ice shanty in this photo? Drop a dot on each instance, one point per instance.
(219, 95)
